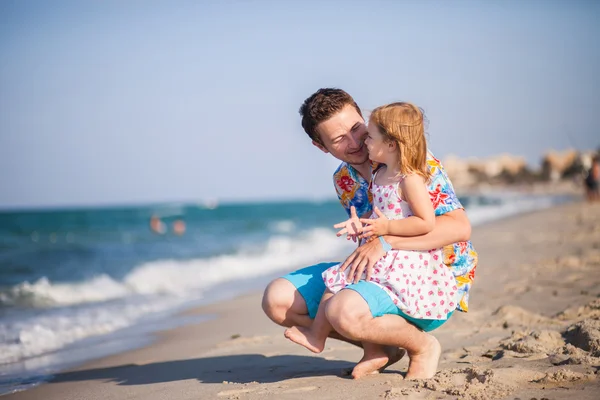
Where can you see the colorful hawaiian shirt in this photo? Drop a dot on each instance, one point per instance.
(353, 190)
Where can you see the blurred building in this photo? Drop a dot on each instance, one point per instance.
(509, 169)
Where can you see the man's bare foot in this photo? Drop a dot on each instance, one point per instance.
(377, 360)
(423, 365)
(304, 337)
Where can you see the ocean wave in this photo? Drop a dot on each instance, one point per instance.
(73, 311)
(283, 226)
(38, 334)
(43, 293)
(182, 277)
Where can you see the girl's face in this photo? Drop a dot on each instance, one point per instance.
(379, 149)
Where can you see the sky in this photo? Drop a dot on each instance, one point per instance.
(125, 102)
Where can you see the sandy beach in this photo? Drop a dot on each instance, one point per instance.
(533, 331)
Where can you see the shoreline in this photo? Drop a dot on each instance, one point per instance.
(240, 325)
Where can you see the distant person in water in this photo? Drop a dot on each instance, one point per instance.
(179, 227)
(592, 181)
(156, 225)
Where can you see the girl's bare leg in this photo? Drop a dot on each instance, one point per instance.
(313, 337)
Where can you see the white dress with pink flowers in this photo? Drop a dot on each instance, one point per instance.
(419, 282)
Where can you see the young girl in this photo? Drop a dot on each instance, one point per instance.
(418, 282)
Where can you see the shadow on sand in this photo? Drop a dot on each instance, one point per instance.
(236, 368)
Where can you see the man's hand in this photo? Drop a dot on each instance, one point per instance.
(375, 227)
(351, 227)
(363, 259)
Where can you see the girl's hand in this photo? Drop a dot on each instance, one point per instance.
(375, 227)
(351, 227)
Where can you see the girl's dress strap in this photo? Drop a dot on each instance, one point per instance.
(374, 173)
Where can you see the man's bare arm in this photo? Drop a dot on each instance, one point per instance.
(449, 228)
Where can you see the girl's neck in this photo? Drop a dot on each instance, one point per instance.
(393, 164)
(390, 174)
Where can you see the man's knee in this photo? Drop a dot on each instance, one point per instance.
(348, 314)
(278, 299)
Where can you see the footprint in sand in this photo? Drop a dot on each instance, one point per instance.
(564, 375)
(469, 382)
(510, 316)
(234, 392)
(531, 342)
(588, 311)
(300, 389)
(243, 341)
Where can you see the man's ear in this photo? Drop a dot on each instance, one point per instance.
(320, 147)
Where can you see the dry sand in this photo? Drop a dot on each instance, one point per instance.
(533, 332)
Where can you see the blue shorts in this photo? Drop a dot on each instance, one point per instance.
(309, 283)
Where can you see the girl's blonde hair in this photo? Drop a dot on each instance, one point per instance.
(403, 124)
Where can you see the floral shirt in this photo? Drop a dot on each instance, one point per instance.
(353, 190)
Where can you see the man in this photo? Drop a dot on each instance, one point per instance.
(334, 122)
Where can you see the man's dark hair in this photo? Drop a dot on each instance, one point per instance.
(321, 106)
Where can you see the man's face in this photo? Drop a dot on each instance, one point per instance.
(344, 136)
